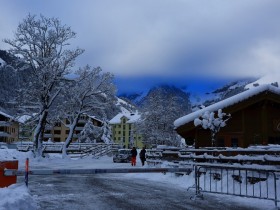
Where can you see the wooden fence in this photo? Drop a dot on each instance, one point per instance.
(74, 148)
(262, 156)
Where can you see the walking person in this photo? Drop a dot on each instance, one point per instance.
(143, 156)
(133, 156)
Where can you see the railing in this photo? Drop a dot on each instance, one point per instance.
(72, 148)
(261, 183)
(263, 156)
(100, 150)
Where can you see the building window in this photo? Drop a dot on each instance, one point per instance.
(57, 132)
(57, 139)
(47, 131)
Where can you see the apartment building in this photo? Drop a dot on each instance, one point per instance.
(124, 131)
(59, 132)
(9, 128)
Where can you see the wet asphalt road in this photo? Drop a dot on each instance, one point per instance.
(115, 191)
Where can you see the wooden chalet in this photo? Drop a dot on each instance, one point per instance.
(255, 120)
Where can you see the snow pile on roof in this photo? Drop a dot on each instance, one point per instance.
(94, 118)
(132, 117)
(268, 79)
(23, 118)
(6, 115)
(225, 103)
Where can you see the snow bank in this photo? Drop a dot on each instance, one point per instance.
(13, 154)
(16, 196)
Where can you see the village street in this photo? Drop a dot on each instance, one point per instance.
(116, 191)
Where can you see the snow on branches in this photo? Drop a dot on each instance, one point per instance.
(43, 44)
(91, 91)
(208, 121)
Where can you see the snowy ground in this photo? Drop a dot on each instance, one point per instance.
(17, 196)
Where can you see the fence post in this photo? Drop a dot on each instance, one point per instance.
(275, 189)
(26, 171)
(197, 184)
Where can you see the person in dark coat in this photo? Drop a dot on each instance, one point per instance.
(143, 156)
(133, 156)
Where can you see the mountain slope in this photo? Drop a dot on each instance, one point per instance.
(165, 91)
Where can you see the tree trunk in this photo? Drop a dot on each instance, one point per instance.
(69, 137)
(39, 133)
(214, 140)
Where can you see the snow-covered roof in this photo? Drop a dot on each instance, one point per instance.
(268, 79)
(23, 118)
(132, 118)
(4, 134)
(94, 118)
(6, 115)
(225, 103)
(5, 124)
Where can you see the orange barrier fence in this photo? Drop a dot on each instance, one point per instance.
(6, 181)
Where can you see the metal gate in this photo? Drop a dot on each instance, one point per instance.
(238, 181)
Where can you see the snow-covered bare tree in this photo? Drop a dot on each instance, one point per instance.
(106, 133)
(161, 109)
(43, 44)
(208, 121)
(90, 133)
(90, 92)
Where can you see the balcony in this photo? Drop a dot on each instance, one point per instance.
(4, 134)
(5, 124)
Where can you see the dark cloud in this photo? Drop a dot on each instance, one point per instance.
(163, 38)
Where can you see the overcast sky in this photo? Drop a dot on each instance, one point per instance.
(149, 41)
